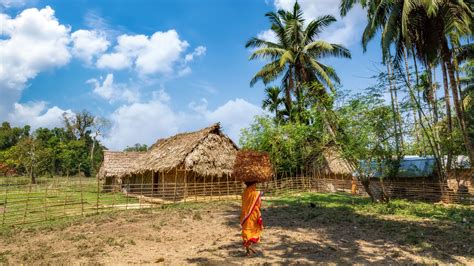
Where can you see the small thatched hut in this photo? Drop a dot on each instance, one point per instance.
(115, 166)
(330, 164)
(184, 162)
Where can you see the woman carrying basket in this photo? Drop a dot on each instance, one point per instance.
(251, 167)
(250, 217)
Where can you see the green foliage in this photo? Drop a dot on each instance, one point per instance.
(137, 147)
(71, 150)
(296, 57)
(289, 145)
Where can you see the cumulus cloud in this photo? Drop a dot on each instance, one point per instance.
(111, 91)
(346, 31)
(143, 122)
(37, 114)
(233, 115)
(32, 42)
(156, 119)
(88, 44)
(159, 53)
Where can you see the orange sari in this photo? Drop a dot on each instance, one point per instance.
(250, 217)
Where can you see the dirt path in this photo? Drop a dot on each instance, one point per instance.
(210, 235)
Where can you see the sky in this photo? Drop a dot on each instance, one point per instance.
(152, 68)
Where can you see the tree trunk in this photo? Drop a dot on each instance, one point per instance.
(394, 110)
(92, 156)
(457, 105)
(366, 183)
(434, 102)
(288, 88)
(413, 105)
(448, 113)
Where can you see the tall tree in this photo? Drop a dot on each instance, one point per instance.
(273, 101)
(295, 55)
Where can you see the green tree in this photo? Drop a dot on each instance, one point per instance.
(137, 147)
(296, 54)
(272, 102)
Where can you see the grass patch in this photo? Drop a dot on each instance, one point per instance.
(396, 207)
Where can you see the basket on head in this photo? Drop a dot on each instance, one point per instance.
(252, 166)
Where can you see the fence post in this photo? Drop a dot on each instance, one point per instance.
(44, 202)
(98, 196)
(228, 192)
(175, 183)
(163, 185)
(5, 201)
(141, 193)
(82, 194)
(212, 183)
(185, 192)
(195, 187)
(65, 196)
(27, 203)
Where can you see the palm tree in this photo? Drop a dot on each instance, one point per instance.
(273, 101)
(295, 55)
(425, 25)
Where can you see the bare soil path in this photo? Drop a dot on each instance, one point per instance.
(210, 234)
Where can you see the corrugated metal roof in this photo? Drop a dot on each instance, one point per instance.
(415, 166)
(410, 166)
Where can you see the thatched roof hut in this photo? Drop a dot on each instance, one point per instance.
(207, 152)
(334, 163)
(329, 162)
(118, 164)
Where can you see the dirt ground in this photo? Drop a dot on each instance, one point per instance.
(210, 235)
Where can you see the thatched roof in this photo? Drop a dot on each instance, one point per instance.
(207, 152)
(252, 166)
(118, 164)
(333, 163)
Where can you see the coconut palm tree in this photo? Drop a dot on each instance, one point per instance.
(295, 54)
(273, 101)
(427, 26)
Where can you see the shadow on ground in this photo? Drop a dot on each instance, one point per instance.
(348, 236)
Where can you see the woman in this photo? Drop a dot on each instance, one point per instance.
(250, 218)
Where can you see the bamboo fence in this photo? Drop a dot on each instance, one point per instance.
(34, 203)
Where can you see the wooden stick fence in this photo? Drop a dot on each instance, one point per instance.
(33, 203)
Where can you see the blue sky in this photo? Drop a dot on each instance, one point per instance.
(153, 68)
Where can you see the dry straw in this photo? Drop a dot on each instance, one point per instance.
(252, 166)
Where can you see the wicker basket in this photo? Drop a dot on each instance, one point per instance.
(252, 166)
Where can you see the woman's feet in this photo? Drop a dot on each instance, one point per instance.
(250, 251)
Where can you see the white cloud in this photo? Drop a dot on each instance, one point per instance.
(32, 42)
(346, 31)
(113, 91)
(143, 123)
(267, 35)
(199, 51)
(36, 114)
(13, 3)
(233, 116)
(156, 119)
(114, 61)
(88, 44)
(159, 53)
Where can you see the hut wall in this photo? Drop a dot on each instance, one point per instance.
(176, 185)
